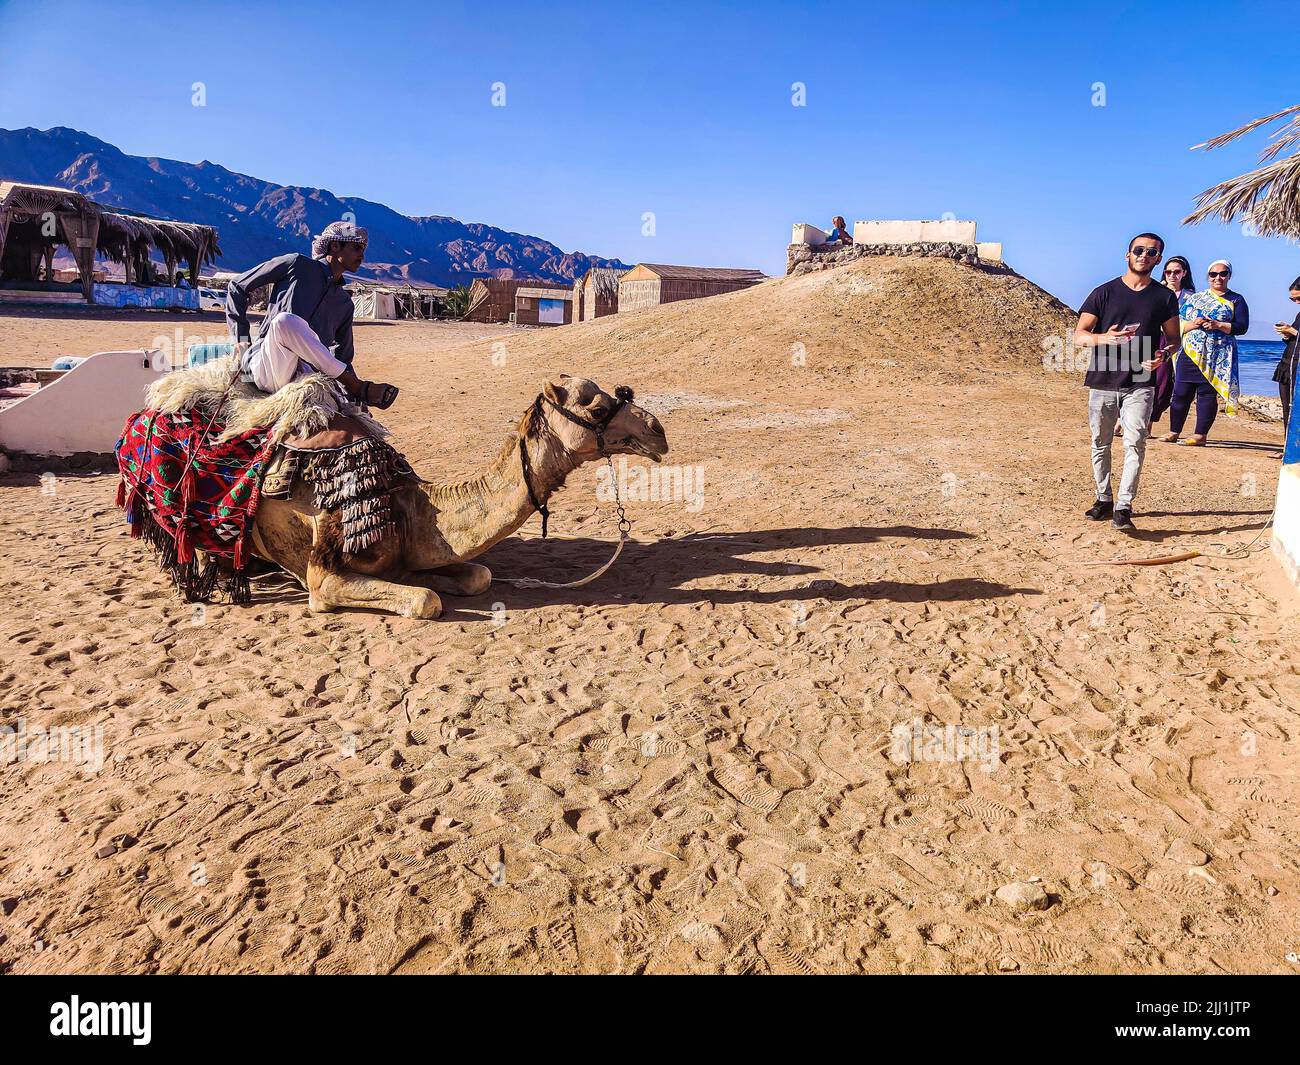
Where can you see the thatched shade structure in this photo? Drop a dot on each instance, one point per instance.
(1268, 198)
(596, 293)
(36, 218)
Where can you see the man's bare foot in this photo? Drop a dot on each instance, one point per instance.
(1168, 438)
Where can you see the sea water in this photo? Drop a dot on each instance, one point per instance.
(1256, 361)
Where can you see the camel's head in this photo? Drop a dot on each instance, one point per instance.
(631, 431)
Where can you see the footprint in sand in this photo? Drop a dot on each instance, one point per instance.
(743, 783)
(987, 810)
(785, 771)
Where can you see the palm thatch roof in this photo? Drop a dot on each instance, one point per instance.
(1267, 198)
(603, 280)
(177, 241)
(120, 232)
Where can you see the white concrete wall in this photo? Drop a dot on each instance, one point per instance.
(84, 410)
(806, 234)
(989, 251)
(1286, 524)
(913, 232)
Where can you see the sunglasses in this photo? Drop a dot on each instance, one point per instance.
(1149, 253)
(1220, 273)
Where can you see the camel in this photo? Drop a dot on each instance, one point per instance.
(441, 527)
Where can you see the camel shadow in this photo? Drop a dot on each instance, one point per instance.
(659, 571)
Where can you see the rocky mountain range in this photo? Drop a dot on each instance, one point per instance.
(259, 219)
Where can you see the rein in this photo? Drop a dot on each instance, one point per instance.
(623, 395)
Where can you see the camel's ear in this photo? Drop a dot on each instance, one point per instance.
(557, 394)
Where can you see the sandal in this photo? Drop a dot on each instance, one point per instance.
(387, 395)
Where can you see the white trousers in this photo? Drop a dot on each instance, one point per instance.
(287, 349)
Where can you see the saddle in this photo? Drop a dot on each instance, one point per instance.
(286, 462)
(316, 433)
(351, 473)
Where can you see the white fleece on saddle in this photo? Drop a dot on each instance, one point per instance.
(302, 407)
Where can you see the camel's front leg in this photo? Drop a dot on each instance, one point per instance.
(339, 591)
(458, 578)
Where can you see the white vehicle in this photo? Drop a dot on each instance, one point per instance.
(212, 299)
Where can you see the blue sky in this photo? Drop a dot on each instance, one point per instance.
(684, 110)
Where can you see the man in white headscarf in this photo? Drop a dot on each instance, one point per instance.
(308, 323)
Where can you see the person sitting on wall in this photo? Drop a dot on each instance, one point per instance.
(308, 314)
(839, 233)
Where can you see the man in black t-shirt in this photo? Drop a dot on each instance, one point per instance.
(1122, 322)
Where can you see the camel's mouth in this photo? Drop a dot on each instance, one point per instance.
(653, 450)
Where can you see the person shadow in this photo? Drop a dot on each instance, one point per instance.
(1243, 445)
(663, 571)
(1156, 536)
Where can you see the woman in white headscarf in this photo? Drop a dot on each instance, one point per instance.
(1206, 368)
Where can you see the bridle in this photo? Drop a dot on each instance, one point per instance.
(623, 395)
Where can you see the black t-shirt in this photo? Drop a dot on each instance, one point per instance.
(1115, 304)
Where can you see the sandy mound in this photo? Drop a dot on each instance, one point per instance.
(877, 318)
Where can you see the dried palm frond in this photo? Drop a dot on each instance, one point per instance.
(1267, 198)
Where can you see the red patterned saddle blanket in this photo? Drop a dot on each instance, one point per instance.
(183, 492)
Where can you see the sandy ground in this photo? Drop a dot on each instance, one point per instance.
(686, 766)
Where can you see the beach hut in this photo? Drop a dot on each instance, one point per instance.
(492, 299)
(543, 305)
(36, 219)
(650, 284)
(596, 293)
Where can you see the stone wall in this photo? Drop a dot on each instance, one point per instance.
(805, 258)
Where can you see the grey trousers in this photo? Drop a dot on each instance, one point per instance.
(1131, 408)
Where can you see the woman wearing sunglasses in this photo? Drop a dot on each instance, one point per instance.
(1285, 373)
(1207, 368)
(1177, 277)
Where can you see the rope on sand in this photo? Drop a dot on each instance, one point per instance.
(1225, 551)
(533, 582)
